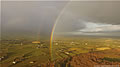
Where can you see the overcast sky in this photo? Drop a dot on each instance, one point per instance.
(91, 18)
(78, 18)
(31, 17)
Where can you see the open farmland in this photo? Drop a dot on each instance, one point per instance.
(28, 53)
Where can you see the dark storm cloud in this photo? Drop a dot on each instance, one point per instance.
(40, 16)
(97, 11)
(68, 23)
(78, 15)
(28, 16)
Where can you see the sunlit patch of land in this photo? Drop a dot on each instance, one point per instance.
(103, 48)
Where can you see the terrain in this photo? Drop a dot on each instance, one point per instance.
(107, 58)
(66, 52)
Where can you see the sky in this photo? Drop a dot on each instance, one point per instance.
(99, 18)
(29, 17)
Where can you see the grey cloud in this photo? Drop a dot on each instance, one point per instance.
(40, 16)
(77, 14)
(68, 23)
(31, 17)
(97, 11)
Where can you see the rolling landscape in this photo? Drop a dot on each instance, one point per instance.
(66, 52)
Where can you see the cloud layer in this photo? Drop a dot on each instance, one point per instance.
(78, 18)
(29, 17)
(91, 18)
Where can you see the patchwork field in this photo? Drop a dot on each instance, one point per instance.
(30, 53)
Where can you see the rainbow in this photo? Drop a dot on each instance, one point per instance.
(53, 30)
